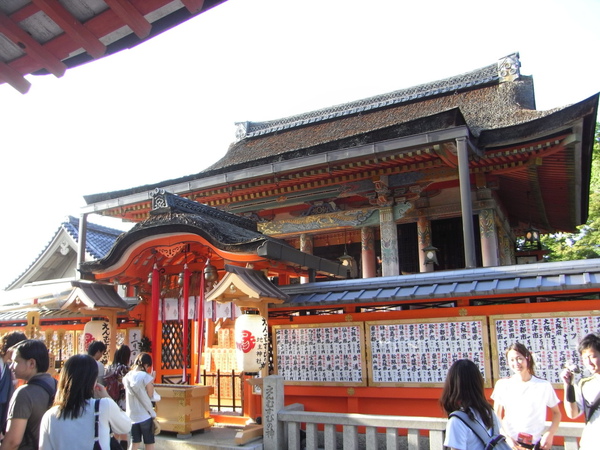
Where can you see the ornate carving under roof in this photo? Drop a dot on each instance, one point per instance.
(163, 202)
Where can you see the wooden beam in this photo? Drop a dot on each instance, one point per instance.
(72, 27)
(14, 78)
(248, 433)
(131, 16)
(193, 6)
(30, 46)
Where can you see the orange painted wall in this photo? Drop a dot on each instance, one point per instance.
(413, 401)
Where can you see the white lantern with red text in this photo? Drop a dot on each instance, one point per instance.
(251, 341)
(95, 330)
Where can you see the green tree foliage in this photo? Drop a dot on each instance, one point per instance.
(584, 244)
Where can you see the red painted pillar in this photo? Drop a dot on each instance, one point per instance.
(153, 329)
(186, 294)
(200, 325)
(367, 237)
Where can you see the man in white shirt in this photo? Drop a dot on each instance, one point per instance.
(585, 397)
(96, 350)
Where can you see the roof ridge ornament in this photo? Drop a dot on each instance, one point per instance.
(509, 67)
(165, 202)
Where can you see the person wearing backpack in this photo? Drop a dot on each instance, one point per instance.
(521, 402)
(7, 379)
(113, 382)
(585, 397)
(30, 361)
(84, 415)
(472, 423)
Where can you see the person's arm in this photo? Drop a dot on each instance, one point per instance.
(150, 390)
(15, 430)
(120, 422)
(499, 410)
(548, 436)
(570, 402)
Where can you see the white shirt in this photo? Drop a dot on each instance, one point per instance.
(591, 432)
(137, 403)
(461, 437)
(60, 434)
(524, 404)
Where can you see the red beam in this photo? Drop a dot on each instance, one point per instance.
(193, 6)
(72, 27)
(14, 78)
(30, 46)
(131, 16)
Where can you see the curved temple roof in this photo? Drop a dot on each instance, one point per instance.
(224, 231)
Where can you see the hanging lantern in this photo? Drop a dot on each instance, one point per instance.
(430, 254)
(251, 341)
(532, 236)
(96, 330)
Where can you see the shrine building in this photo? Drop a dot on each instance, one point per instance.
(379, 239)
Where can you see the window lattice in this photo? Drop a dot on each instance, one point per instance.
(172, 345)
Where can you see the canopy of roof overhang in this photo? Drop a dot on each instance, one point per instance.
(182, 232)
(44, 37)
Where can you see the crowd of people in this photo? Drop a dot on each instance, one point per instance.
(517, 419)
(80, 412)
(77, 411)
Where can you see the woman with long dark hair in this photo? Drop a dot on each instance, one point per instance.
(71, 422)
(522, 400)
(139, 390)
(463, 391)
(118, 369)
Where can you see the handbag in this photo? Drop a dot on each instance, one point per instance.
(155, 426)
(114, 444)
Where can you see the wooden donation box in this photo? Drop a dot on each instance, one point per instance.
(183, 408)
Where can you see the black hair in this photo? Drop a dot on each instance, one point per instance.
(142, 360)
(592, 340)
(76, 385)
(36, 350)
(95, 347)
(463, 390)
(122, 355)
(10, 339)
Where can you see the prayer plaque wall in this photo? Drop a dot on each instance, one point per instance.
(324, 354)
(420, 352)
(551, 337)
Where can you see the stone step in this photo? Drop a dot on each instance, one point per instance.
(214, 438)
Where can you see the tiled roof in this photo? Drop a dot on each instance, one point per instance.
(484, 97)
(442, 286)
(480, 77)
(496, 97)
(99, 239)
(222, 230)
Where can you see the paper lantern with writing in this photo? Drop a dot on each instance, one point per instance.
(95, 330)
(251, 342)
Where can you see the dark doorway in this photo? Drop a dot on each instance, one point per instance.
(447, 237)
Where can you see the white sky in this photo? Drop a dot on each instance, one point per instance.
(167, 108)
